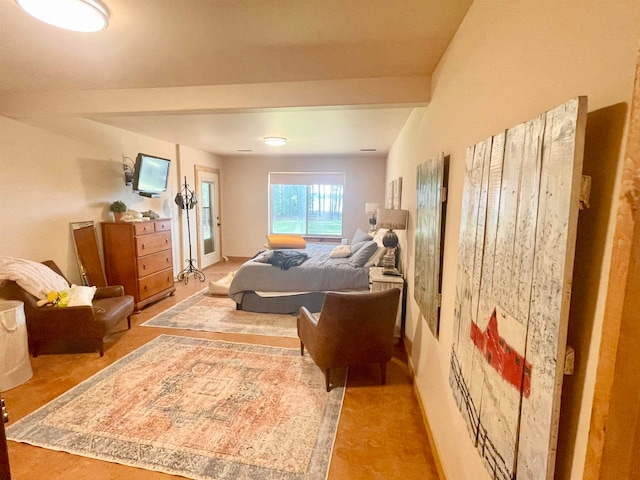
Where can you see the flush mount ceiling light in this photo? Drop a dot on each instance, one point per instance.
(275, 141)
(76, 15)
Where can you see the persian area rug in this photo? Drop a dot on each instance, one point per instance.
(203, 409)
(218, 314)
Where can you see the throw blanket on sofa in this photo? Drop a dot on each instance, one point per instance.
(34, 277)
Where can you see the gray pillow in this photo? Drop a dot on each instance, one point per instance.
(358, 245)
(360, 257)
(360, 236)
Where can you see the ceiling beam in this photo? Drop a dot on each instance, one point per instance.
(363, 92)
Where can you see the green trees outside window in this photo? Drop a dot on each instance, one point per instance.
(313, 209)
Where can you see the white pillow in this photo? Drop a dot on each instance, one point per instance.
(79, 295)
(379, 235)
(341, 251)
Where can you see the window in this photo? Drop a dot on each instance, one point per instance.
(306, 203)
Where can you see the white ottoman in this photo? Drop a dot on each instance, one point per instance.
(15, 366)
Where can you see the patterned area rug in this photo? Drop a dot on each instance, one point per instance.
(218, 314)
(198, 408)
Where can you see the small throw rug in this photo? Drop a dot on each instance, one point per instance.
(218, 314)
(203, 409)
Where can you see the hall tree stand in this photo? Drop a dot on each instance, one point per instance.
(186, 200)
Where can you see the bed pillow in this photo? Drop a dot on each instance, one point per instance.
(376, 258)
(285, 241)
(360, 257)
(341, 251)
(358, 245)
(360, 236)
(379, 235)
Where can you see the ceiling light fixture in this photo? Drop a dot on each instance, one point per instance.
(76, 15)
(275, 141)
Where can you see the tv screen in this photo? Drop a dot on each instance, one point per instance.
(151, 174)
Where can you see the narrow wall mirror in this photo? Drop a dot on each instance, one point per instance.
(85, 242)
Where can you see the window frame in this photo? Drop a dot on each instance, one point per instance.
(307, 179)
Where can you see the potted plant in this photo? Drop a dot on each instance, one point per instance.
(118, 208)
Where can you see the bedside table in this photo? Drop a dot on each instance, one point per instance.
(379, 282)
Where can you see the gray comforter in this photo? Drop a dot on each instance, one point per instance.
(320, 273)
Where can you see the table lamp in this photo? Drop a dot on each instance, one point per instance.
(391, 219)
(372, 210)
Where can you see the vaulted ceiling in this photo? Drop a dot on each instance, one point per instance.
(332, 76)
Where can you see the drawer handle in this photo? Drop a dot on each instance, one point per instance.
(144, 266)
(166, 240)
(143, 246)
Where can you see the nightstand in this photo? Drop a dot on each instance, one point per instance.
(379, 282)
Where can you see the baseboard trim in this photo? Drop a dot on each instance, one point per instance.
(425, 420)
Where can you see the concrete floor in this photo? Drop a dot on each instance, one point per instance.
(381, 434)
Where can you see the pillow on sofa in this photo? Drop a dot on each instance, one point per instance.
(360, 257)
(285, 241)
(80, 295)
(341, 251)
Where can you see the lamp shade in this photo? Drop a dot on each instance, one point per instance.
(371, 208)
(392, 219)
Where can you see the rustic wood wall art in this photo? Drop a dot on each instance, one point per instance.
(515, 263)
(431, 180)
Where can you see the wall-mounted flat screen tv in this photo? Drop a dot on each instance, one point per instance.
(150, 175)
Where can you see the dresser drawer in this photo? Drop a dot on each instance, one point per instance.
(153, 243)
(163, 226)
(154, 263)
(152, 284)
(142, 228)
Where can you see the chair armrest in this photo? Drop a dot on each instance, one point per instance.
(308, 316)
(56, 314)
(307, 330)
(110, 291)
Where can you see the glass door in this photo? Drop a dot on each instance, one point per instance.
(208, 216)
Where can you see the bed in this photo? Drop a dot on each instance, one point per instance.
(281, 280)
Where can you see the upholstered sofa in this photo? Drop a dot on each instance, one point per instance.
(86, 324)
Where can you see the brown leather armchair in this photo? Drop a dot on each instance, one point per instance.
(85, 323)
(352, 329)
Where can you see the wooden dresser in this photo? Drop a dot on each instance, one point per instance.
(138, 256)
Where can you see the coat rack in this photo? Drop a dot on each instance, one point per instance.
(186, 200)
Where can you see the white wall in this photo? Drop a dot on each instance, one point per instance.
(508, 62)
(188, 159)
(59, 170)
(67, 170)
(245, 195)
